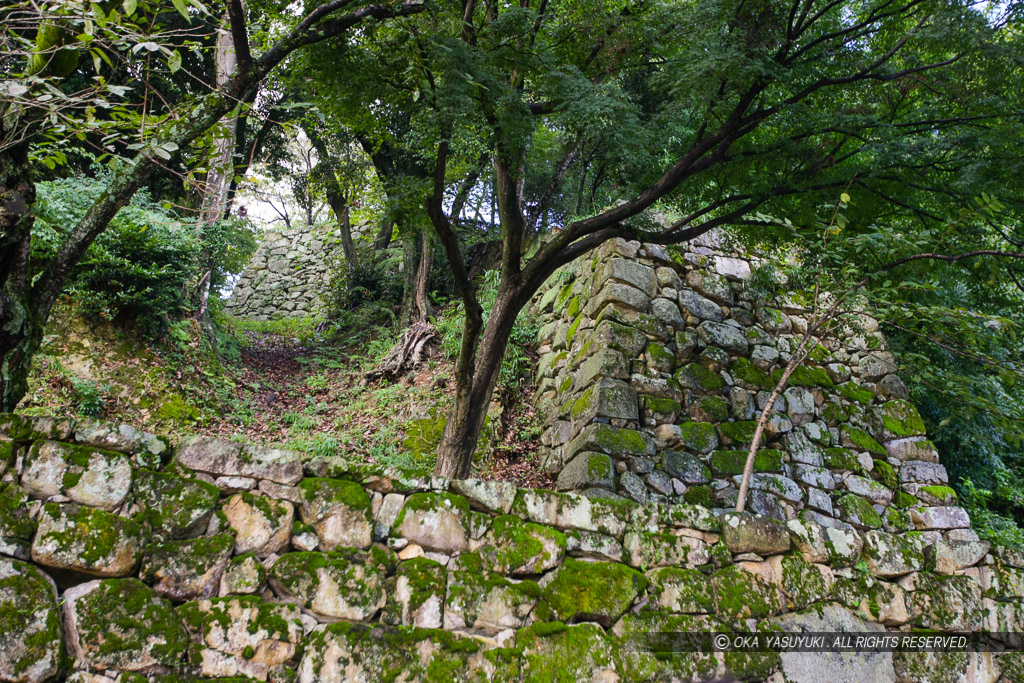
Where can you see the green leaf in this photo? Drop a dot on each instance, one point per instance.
(174, 61)
(130, 6)
(182, 8)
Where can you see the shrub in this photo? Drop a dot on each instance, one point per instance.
(141, 267)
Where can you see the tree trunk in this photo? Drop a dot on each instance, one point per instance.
(20, 331)
(220, 174)
(476, 375)
(340, 207)
(383, 238)
(421, 289)
(410, 261)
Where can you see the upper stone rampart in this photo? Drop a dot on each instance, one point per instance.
(655, 364)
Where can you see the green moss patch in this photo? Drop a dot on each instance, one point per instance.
(806, 376)
(865, 441)
(743, 370)
(592, 591)
(740, 594)
(517, 547)
(732, 462)
(858, 511)
(173, 506)
(122, 623)
(740, 433)
(699, 378)
(854, 392)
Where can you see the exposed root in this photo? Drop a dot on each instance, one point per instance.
(417, 344)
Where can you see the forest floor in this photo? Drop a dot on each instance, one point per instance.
(278, 386)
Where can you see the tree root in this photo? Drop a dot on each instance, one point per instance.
(418, 343)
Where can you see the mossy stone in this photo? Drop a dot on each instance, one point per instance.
(557, 653)
(696, 377)
(30, 625)
(487, 602)
(680, 591)
(740, 594)
(884, 473)
(806, 376)
(416, 594)
(698, 495)
(803, 583)
(521, 548)
(739, 433)
(16, 523)
(173, 506)
(698, 436)
(747, 373)
(83, 539)
(733, 462)
(864, 441)
(858, 511)
(841, 459)
(331, 584)
(389, 653)
(854, 392)
(592, 591)
(899, 418)
(712, 408)
(937, 495)
(122, 624)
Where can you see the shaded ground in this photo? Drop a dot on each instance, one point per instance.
(289, 390)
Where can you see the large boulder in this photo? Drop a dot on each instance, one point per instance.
(189, 569)
(435, 521)
(339, 511)
(30, 628)
(17, 527)
(230, 459)
(747, 533)
(123, 625)
(82, 539)
(262, 525)
(241, 636)
(591, 591)
(173, 506)
(330, 586)
(89, 476)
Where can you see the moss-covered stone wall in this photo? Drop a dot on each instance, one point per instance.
(288, 274)
(126, 558)
(656, 363)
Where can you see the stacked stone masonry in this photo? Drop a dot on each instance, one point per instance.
(288, 274)
(656, 363)
(123, 559)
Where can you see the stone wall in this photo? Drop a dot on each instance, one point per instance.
(288, 274)
(122, 559)
(656, 363)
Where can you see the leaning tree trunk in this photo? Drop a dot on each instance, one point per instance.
(476, 375)
(20, 331)
(220, 174)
